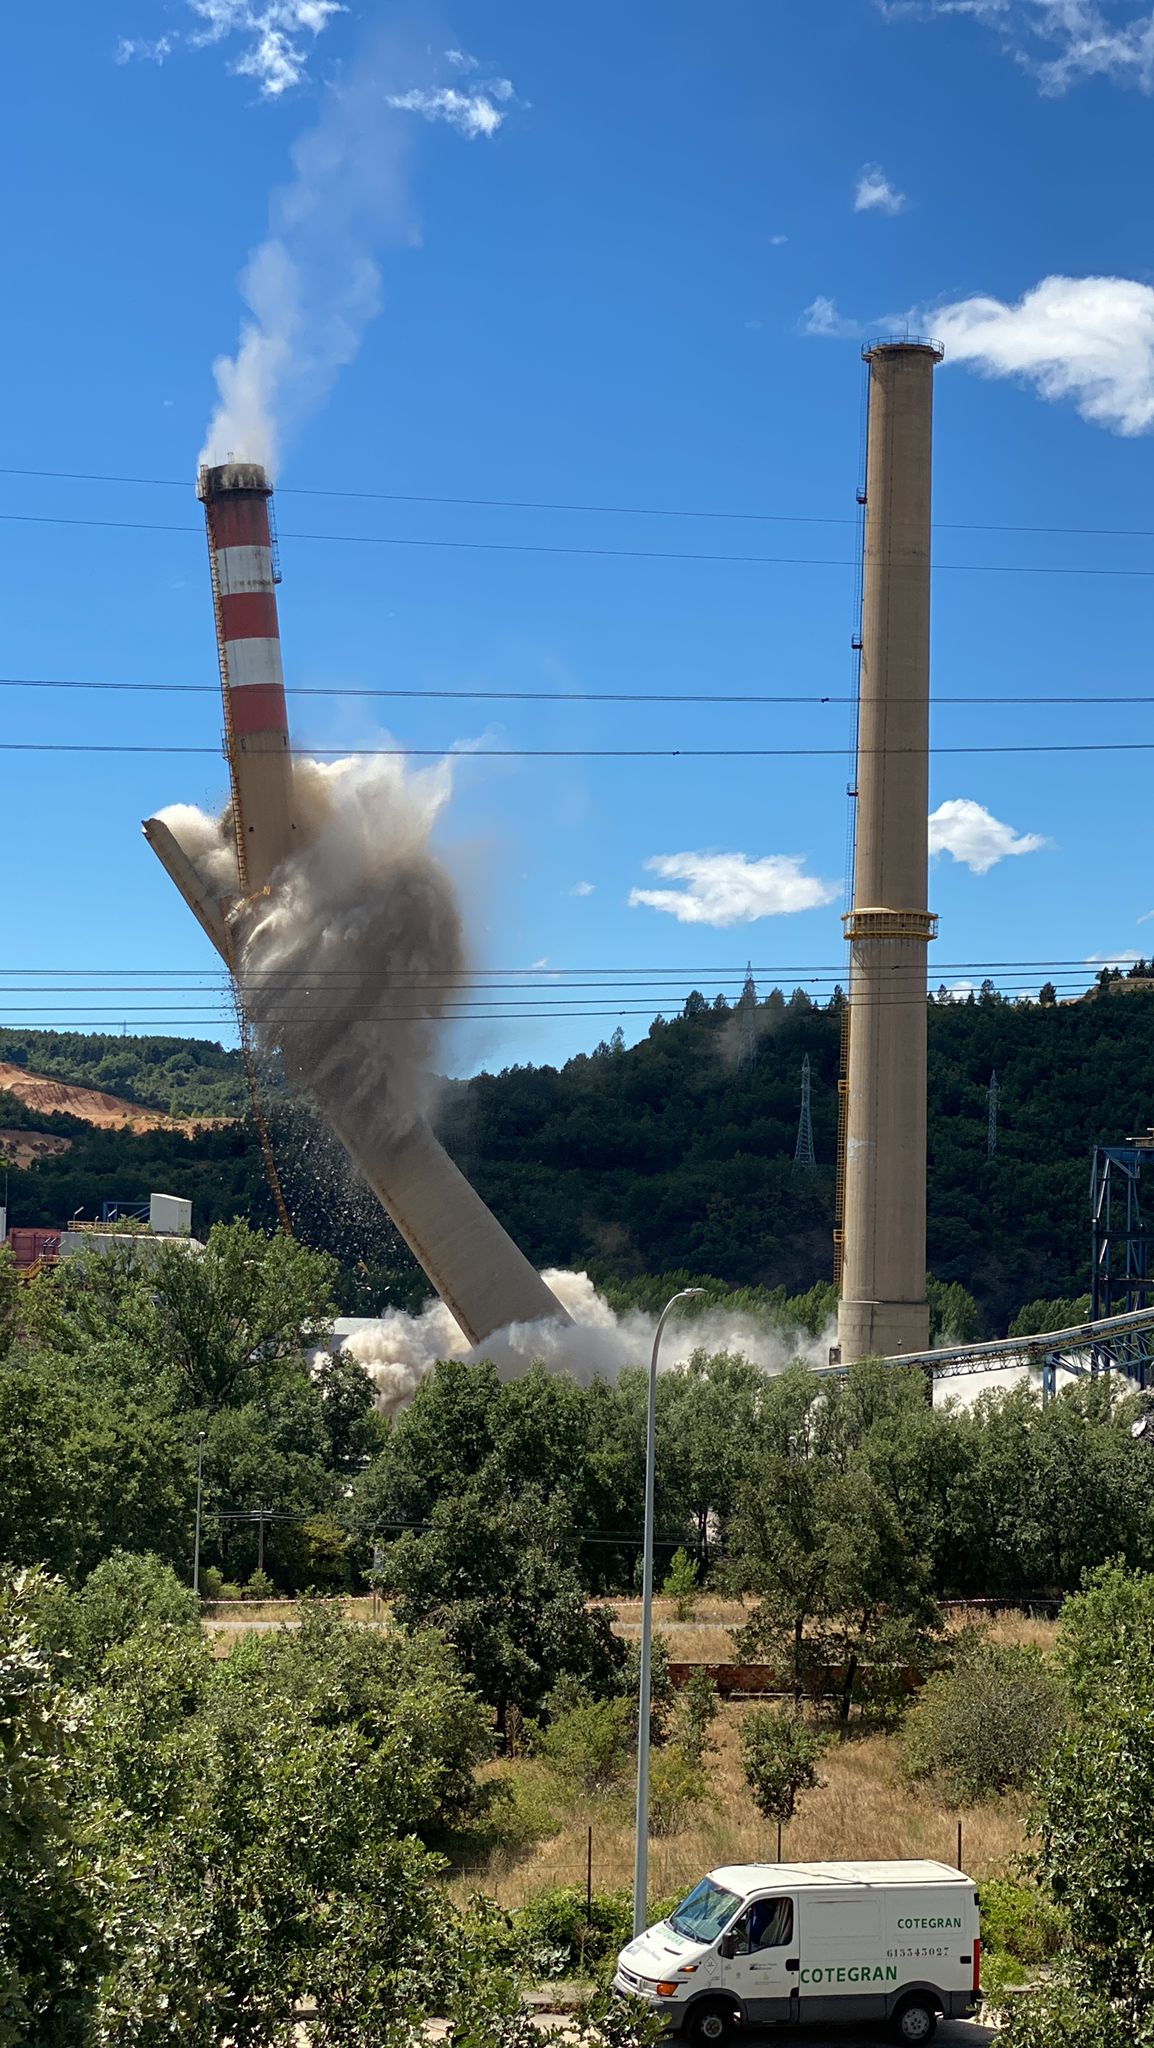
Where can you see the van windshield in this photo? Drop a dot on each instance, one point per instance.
(705, 1912)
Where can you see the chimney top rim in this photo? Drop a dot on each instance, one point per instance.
(902, 344)
(223, 479)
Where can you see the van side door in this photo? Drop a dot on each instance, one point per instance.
(845, 1971)
(764, 1970)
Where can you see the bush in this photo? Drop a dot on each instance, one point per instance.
(781, 1757)
(681, 1585)
(694, 1713)
(590, 1743)
(126, 1592)
(211, 1582)
(522, 1809)
(260, 1587)
(676, 1786)
(1018, 1921)
(999, 1971)
(986, 1726)
(556, 1923)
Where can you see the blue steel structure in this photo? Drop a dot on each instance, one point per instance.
(124, 1212)
(1122, 1268)
(1123, 1344)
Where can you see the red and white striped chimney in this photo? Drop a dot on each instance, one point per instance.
(236, 500)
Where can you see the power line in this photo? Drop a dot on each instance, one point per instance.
(474, 994)
(555, 505)
(548, 696)
(585, 753)
(811, 971)
(511, 1013)
(511, 547)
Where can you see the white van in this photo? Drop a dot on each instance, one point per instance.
(789, 1943)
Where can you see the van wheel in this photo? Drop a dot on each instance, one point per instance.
(915, 2020)
(712, 2025)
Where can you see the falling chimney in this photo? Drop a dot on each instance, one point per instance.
(882, 1310)
(237, 499)
(474, 1265)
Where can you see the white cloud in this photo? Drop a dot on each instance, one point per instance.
(977, 839)
(139, 50)
(1145, 918)
(582, 888)
(822, 318)
(1112, 959)
(875, 194)
(1088, 339)
(272, 33)
(471, 113)
(1059, 42)
(729, 888)
(778, 241)
(957, 992)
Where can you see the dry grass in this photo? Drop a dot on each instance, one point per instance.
(707, 1639)
(863, 1809)
(1006, 1625)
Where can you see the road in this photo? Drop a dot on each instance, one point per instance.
(950, 2034)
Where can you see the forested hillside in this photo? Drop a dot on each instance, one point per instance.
(676, 1153)
(181, 1076)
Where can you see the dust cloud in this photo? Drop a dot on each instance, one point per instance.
(348, 966)
(399, 1350)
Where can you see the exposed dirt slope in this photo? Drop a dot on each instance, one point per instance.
(109, 1112)
(25, 1148)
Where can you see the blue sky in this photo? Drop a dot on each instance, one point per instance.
(626, 257)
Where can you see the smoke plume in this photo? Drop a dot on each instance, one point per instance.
(399, 1350)
(313, 285)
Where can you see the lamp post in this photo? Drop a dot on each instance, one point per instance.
(199, 1492)
(641, 1858)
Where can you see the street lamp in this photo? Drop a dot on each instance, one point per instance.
(641, 1858)
(199, 1492)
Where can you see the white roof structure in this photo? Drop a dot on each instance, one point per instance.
(748, 1877)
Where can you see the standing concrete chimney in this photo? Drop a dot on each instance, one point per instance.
(882, 1309)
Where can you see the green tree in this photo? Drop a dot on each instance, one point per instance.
(10, 1291)
(780, 1757)
(85, 1471)
(1039, 1316)
(1096, 1830)
(841, 1580)
(499, 1579)
(226, 1321)
(51, 1941)
(681, 1585)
